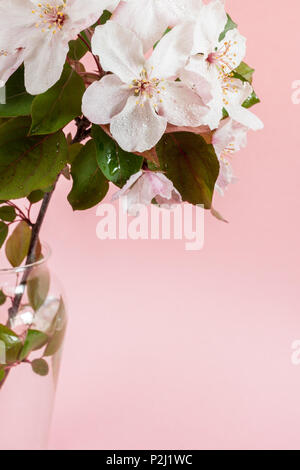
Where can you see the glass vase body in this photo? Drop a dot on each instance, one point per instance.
(32, 328)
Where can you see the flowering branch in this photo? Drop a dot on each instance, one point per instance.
(161, 117)
(82, 133)
(83, 130)
(100, 70)
(20, 213)
(31, 258)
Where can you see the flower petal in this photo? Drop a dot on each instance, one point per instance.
(172, 52)
(120, 51)
(17, 13)
(226, 176)
(222, 137)
(237, 50)
(168, 195)
(133, 179)
(9, 64)
(139, 192)
(137, 128)
(181, 10)
(230, 134)
(145, 186)
(204, 80)
(209, 26)
(143, 17)
(198, 76)
(104, 99)
(82, 14)
(110, 5)
(245, 117)
(181, 106)
(44, 64)
(237, 93)
(16, 21)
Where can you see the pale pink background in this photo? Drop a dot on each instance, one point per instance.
(174, 350)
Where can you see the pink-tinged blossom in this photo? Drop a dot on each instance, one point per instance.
(141, 96)
(149, 19)
(42, 30)
(146, 186)
(214, 61)
(227, 140)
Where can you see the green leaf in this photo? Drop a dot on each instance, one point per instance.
(3, 233)
(34, 341)
(2, 374)
(3, 120)
(18, 101)
(60, 326)
(152, 166)
(116, 164)
(74, 150)
(36, 196)
(2, 297)
(40, 367)
(89, 184)
(77, 49)
(106, 16)
(13, 344)
(56, 342)
(28, 163)
(229, 26)
(191, 164)
(7, 213)
(243, 70)
(38, 287)
(17, 246)
(58, 106)
(251, 100)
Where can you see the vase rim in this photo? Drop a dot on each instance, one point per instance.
(46, 250)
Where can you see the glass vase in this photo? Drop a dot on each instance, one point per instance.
(32, 327)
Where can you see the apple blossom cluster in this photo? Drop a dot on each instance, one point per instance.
(160, 113)
(163, 67)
